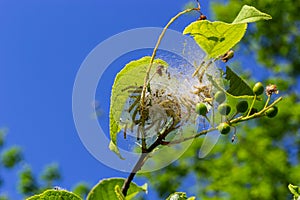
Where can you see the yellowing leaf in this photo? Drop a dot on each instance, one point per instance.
(216, 38)
(250, 14)
(132, 75)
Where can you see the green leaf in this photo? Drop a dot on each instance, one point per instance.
(27, 183)
(51, 173)
(107, 189)
(250, 14)
(55, 195)
(295, 190)
(132, 74)
(11, 157)
(2, 136)
(180, 196)
(237, 86)
(216, 38)
(4, 197)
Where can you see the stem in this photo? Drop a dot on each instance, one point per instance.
(252, 104)
(231, 122)
(255, 115)
(155, 50)
(146, 80)
(268, 100)
(136, 168)
(143, 159)
(204, 132)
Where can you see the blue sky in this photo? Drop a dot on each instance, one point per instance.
(42, 45)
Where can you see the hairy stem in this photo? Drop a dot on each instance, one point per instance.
(155, 50)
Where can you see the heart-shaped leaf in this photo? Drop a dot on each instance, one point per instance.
(216, 38)
(132, 75)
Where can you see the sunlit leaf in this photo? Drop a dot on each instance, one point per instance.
(179, 196)
(250, 14)
(216, 38)
(55, 195)
(132, 75)
(119, 193)
(237, 86)
(106, 189)
(295, 190)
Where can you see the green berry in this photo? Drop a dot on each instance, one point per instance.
(258, 88)
(220, 97)
(224, 109)
(201, 109)
(242, 106)
(253, 111)
(224, 128)
(272, 112)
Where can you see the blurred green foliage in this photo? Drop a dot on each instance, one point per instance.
(265, 157)
(81, 189)
(258, 166)
(4, 197)
(50, 174)
(11, 157)
(2, 135)
(27, 183)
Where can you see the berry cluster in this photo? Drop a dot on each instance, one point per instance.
(242, 107)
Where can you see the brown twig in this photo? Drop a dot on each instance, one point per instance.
(143, 159)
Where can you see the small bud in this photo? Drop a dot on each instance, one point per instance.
(227, 56)
(202, 17)
(271, 89)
